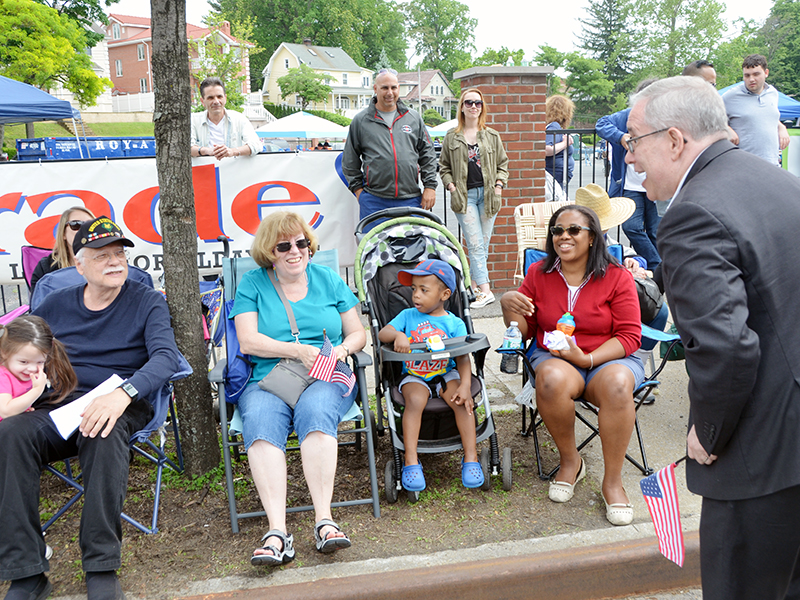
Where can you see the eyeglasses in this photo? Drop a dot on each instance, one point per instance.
(471, 103)
(74, 225)
(120, 255)
(634, 140)
(573, 230)
(301, 244)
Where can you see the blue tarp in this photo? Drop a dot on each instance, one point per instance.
(789, 107)
(23, 103)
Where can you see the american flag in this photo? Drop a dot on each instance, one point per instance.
(661, 495)
(327, 368)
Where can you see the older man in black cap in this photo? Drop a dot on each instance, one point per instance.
(109, 325)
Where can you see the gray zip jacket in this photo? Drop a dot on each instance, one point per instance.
(388, 163)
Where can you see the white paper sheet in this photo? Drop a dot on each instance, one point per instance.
(68, 417)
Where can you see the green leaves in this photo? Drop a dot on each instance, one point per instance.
(306, 83)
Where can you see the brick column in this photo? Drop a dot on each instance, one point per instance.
(515, 97)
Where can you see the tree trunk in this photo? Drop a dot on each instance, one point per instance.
(170, 64)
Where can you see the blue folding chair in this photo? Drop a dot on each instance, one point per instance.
(364, 422)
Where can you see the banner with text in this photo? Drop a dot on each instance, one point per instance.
(231, 197)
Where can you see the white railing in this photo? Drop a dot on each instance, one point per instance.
(133, 103)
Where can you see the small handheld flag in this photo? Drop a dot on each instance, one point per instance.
(327, 368)
(661, 495)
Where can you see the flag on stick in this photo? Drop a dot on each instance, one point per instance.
(661, 495)
(327, 368)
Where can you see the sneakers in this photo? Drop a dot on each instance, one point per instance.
(482, 300)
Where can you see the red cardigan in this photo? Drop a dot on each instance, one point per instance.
(605, 308)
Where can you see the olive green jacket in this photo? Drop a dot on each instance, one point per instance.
(453, 168)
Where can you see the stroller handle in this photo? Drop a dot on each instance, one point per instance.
(393, 213)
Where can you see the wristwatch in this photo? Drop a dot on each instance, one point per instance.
(128, 388)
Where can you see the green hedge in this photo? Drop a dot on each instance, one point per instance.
(280, 111)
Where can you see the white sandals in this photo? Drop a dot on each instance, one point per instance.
(619, 513)
(561, 491)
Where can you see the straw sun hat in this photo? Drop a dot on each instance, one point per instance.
(611, 211)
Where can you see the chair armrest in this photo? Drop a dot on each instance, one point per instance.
(361, 359)
(217, 374)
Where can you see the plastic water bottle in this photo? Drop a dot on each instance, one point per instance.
(512, 340)
(566, 324)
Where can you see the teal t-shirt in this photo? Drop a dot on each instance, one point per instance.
(328, 296)
(419, 327)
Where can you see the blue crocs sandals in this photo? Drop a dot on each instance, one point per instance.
(471, 474)
(413, 480)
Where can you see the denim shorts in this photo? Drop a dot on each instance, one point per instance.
(633, 362)
(267, 417)
(451, 375)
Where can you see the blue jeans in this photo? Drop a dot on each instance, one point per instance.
(477, 230)
(642, 227)
(369, 204)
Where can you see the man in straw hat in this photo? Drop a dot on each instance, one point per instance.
(730, 272)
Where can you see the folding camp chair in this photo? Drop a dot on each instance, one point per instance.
(640, 397)
(162, 405)
(364, 422)
(31, 255)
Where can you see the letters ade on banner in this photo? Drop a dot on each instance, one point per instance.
(231, 197)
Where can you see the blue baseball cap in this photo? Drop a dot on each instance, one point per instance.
(441, 269)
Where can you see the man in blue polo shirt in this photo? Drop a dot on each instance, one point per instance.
(753, 113)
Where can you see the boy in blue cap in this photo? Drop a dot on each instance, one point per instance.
(432, 283)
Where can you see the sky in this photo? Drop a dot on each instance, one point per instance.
(511, 23)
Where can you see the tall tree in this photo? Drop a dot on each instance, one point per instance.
(179, 228)
(85, 12)
(41, 48)
(608, 36)
(727, 57)
(780, 37)
(502, 56)
(217, 60)
(443, 34)
(362, 28)
(676, 32)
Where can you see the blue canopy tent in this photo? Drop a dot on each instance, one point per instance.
(23, 103)
(788, 107)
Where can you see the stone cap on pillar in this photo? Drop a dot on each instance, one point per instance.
(506, 71)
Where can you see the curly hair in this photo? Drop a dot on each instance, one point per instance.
(559, 109)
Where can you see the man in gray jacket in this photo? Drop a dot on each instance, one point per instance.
(387, 150)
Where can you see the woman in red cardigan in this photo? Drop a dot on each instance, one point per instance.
(579, 276)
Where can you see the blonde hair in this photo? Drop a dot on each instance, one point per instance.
(277, 226)
(62, 251)
(559, 109)
(481, 117)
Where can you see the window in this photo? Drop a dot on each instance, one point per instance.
(118, 65)
(140, 51)
(344, 78)
(311, 52)
(365, 81)
(329, 53)
(342, 102)
(115, 31)
(143, 85)
(88, 50)
(286, 63)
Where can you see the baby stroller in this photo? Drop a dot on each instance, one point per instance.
(408, 237)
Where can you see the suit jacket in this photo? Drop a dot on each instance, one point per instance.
(731, 273)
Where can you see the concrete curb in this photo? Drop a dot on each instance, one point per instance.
(606, 563)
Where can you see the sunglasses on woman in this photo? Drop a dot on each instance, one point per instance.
(573, 230)
(74, 225)
(301, 244)
(471, 103)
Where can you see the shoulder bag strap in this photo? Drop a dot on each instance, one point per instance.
(287, 306)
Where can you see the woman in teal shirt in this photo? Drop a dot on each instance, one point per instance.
(321, 302)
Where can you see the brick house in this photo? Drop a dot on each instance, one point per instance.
(130, 47)
(435, 91)
(351, 85)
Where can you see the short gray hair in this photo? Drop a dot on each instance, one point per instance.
(80, 256)
(688, 103)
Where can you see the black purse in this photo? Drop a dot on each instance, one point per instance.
(650, 298)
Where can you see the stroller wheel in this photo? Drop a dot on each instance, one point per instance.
(413, 497)
(506, 467)
(390, 483)
(487, 482)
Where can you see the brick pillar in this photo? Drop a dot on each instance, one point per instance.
(515, 97)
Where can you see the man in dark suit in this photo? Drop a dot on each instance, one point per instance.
(728, 243)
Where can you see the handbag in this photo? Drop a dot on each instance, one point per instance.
(239, 369)
(650, 298)
(289, 378)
